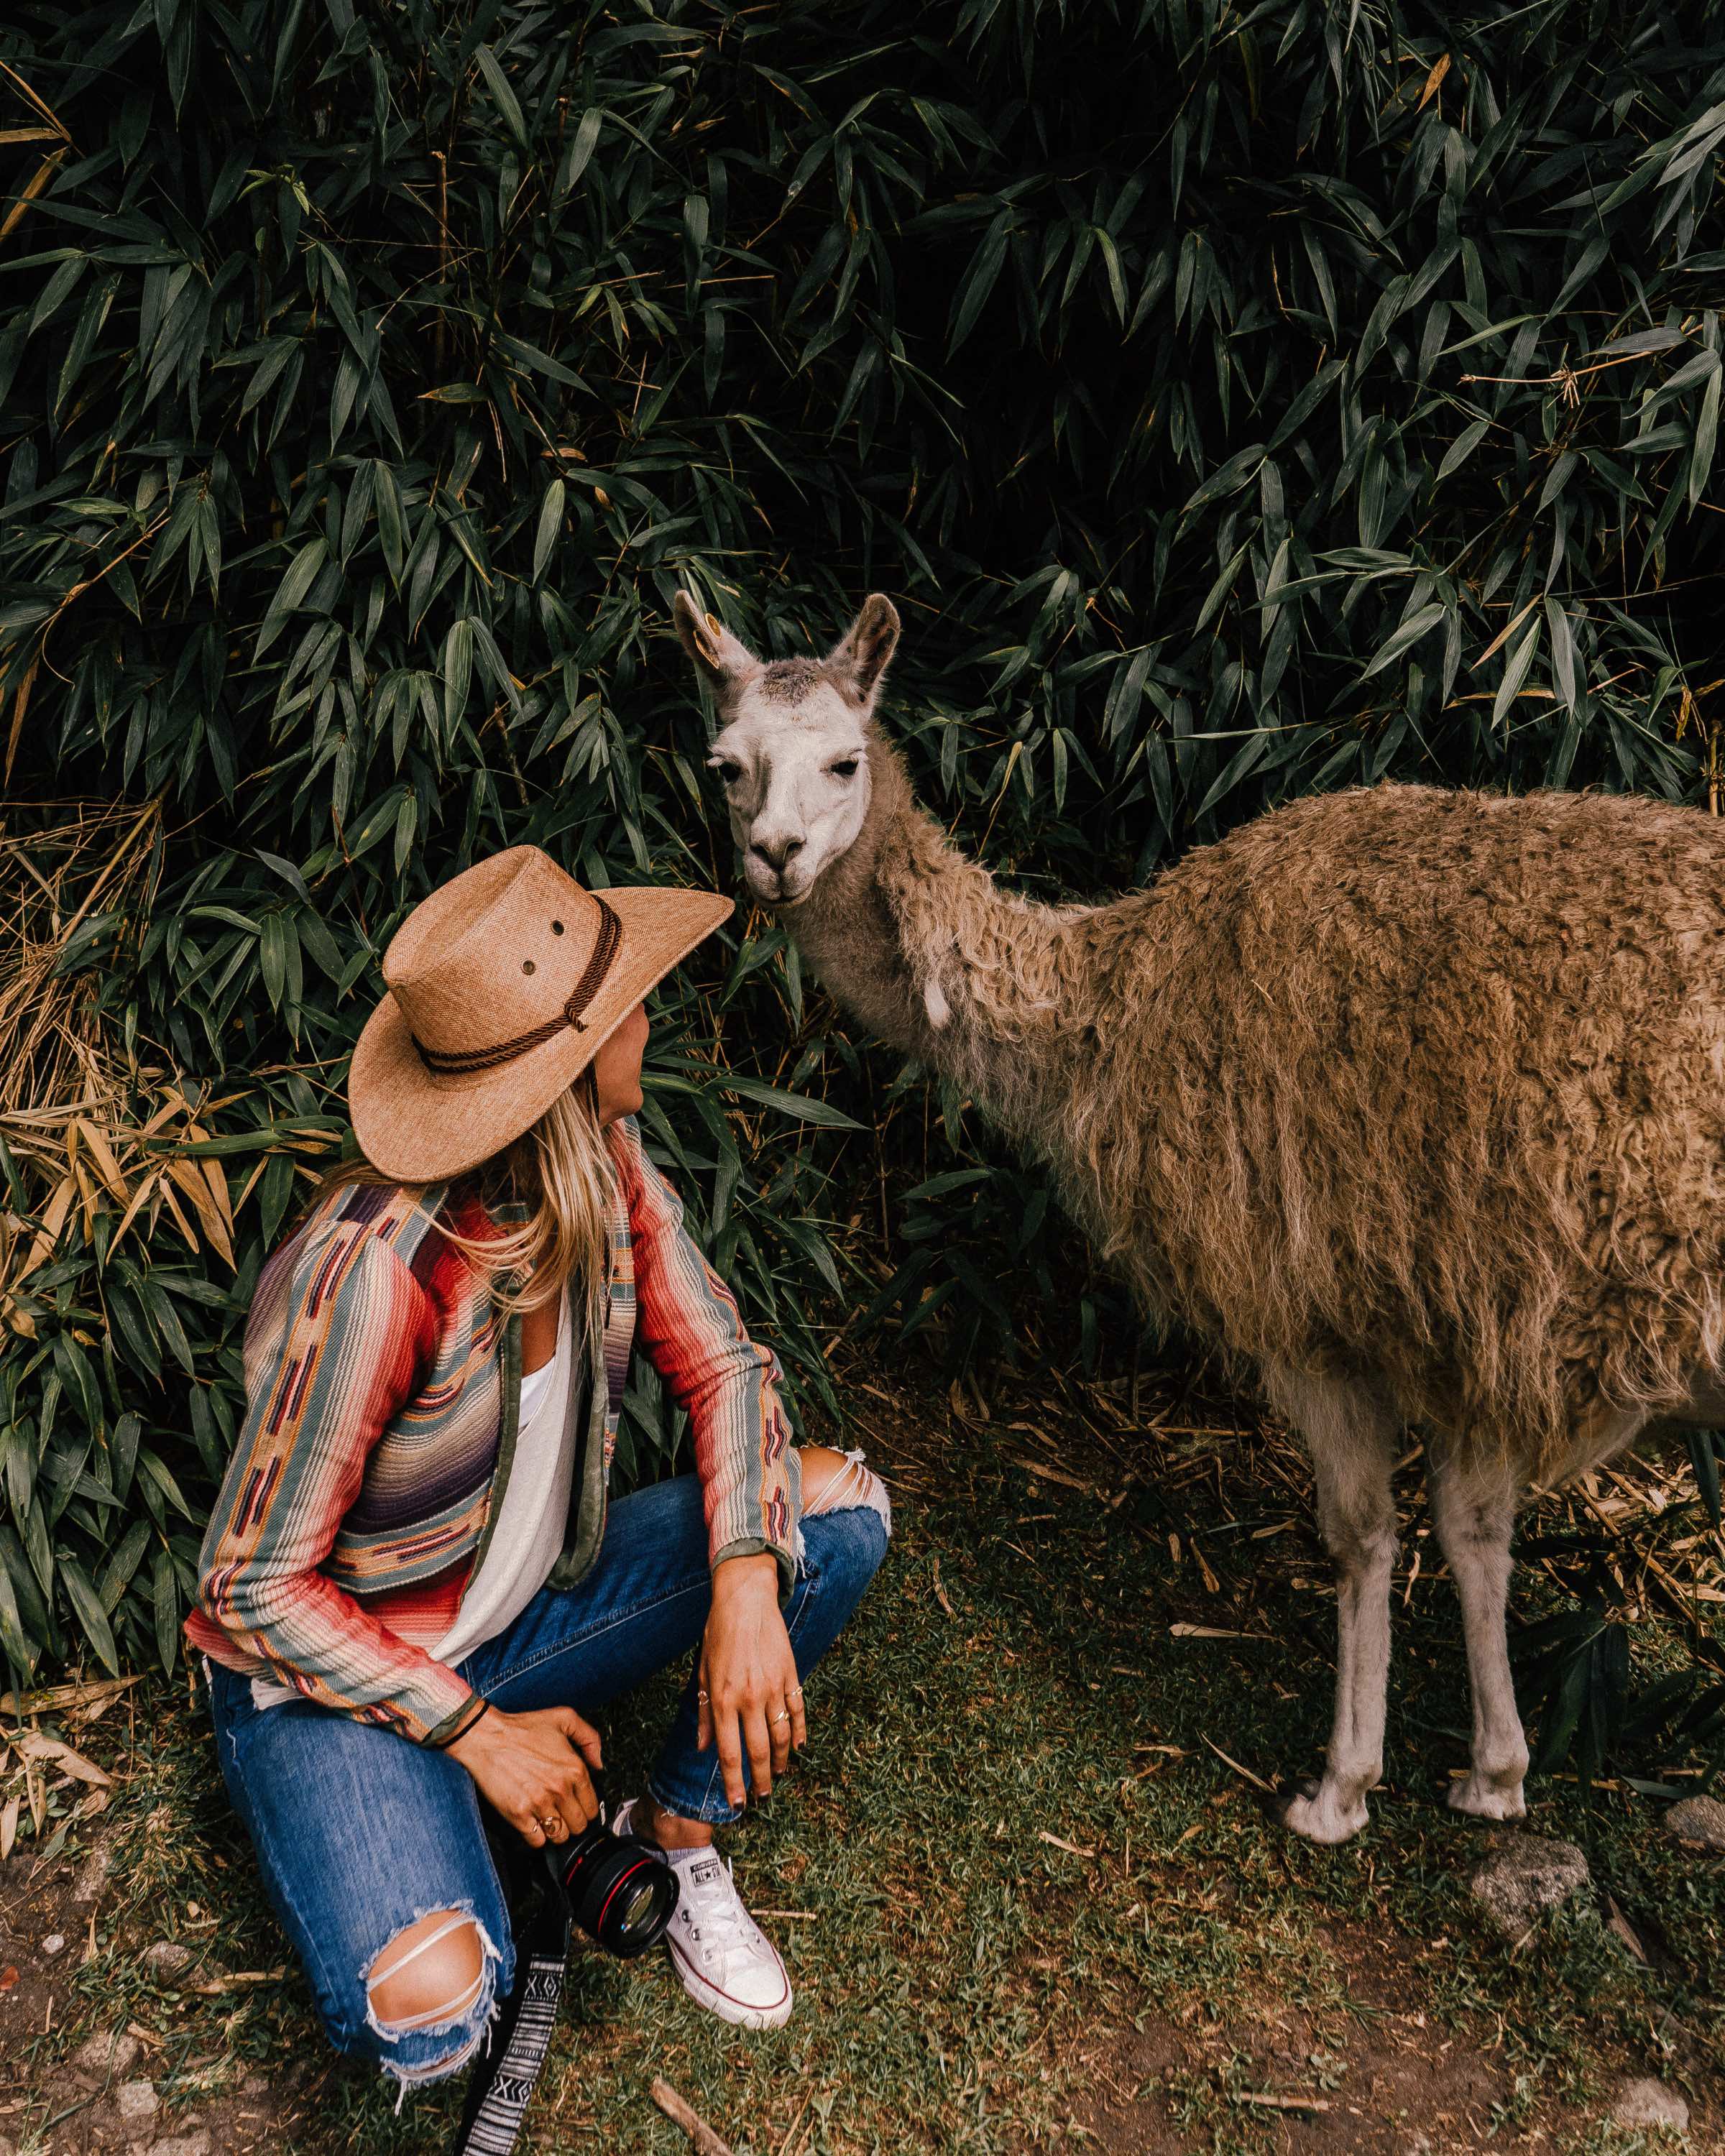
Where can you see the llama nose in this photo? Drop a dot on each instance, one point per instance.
(777, 854)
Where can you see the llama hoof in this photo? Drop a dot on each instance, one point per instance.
(1274, 1804)
(1318, 1813)
(1475, 1797)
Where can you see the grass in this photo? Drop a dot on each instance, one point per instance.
(1035, 1906)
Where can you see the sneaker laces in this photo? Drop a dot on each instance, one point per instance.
(716, 1920)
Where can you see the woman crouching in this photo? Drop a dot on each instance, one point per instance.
(413, 1590)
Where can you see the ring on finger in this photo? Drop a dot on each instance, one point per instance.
(784, 1716)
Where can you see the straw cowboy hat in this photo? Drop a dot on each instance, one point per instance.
(504, 985)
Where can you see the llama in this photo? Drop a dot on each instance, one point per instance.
(1411, 1099)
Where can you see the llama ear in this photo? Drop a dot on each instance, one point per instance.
(858, 659)
(718, 655)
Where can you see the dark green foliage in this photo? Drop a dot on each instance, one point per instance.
(1237, 403)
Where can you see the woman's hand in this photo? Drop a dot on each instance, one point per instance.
(750, 1698)
(532, 1769)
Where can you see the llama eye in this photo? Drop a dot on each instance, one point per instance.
(847, 769)
(729, 772)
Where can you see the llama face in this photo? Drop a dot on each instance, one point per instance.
(792, 753)
(794, 763)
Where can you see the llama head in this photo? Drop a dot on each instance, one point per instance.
(793, 749)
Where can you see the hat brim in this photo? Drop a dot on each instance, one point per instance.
(416, 1126)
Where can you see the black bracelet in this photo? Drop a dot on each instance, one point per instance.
(442, 1744)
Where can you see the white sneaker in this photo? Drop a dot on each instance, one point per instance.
(726, 1962)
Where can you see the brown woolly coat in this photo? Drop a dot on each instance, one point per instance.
(1421, 1087)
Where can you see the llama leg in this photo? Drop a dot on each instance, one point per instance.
(1352, 1440)
(1473, 1508)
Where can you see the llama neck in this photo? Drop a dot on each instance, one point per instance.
(922, 945)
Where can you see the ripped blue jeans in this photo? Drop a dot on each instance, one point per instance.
(359, 1833)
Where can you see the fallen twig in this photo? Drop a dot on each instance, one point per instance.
(700, 2134)
(1059, 1841)
(1268, 2102)
(214, 1985)
(795, 2133)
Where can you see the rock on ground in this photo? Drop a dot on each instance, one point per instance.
(1649, 2102)
(1698, 1818)
(109, 2052)
(92, 1877)
(166, 1957)
(137, 2101)
(1524, 1874)
(187, 2144)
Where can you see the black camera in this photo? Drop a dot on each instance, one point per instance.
(620, 1890)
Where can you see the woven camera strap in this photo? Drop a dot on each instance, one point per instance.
(502, 2082)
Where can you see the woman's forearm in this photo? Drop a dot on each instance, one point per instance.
(727, 1383)
(328, 1647)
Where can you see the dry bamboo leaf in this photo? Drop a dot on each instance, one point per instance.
(20, 1320)
(183, 1172)
(86, 1196)
(54, 1219)
(251, 1182)
(214, 1180)
(44, 173)
(171, 1106)
(8, 1824)
(147, 1184)
(1057, 1475)
(105, 1165)
(35, 1746)
(21, 701)
(33, 97)
(53, 1698)
(1256, 1780)
(1504, 634)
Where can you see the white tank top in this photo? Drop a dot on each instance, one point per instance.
(527, 1539)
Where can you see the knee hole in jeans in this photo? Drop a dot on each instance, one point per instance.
(428, 1976)
(839, 1482)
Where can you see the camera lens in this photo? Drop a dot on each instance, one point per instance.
(642, 1907)
(621, 1890)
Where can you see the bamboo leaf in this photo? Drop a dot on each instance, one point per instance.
(87, 1608)
(551, 518)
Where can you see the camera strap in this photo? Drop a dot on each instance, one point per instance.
(502, 2083)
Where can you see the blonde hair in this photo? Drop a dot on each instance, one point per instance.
(562, 1170)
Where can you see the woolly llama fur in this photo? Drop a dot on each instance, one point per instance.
(1412, 1099)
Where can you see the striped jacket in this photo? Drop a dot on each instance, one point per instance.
(383, 1392)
